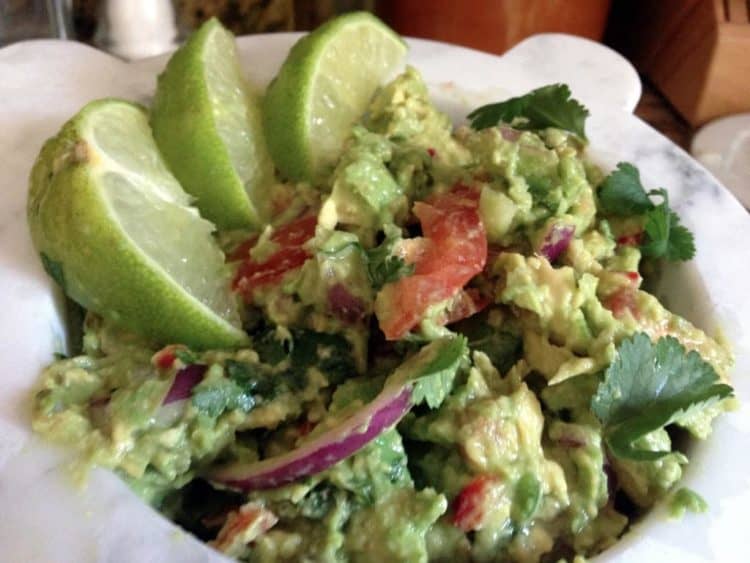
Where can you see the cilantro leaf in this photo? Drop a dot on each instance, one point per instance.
(621, 193)
(502, 347)
(383, 267)
(253, 379)
(500, 112)
(269, 347)
(243, 386)
(665, 236)
(331, 353)
(185, 355)
(432, 370)
(214, 397)
(648, 387)
(548, 106)
(681, 242)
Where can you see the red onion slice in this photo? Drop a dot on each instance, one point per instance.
(183, 383)
(425, 377)
(556, 241)
(323, 451)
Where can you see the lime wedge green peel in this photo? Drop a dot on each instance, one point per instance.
(323, 87)
(208, 127)
(117, 231)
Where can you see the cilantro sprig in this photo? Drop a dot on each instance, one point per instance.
(436, 382)
(548, 106)
(242, 388)
(431, 372)
(245, 385)
(648, 387)
(622, 194)
(383, 266)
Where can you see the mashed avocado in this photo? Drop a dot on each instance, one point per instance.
(422, 231)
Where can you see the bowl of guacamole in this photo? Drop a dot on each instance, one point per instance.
(475, 341)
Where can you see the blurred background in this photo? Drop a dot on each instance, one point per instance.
(691, 54)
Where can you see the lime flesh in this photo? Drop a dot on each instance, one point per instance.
(117, 231)
(208, 127)
(323, 87)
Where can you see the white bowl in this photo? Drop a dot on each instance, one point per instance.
(43, 517)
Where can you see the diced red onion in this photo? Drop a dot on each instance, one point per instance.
(510, 134)
(556, 241)
(571, 442)
(324, 450)
(187, 378)
(100, 402)
(345, 306)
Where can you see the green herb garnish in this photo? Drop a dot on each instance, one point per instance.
(432, 371)
(647, 388)
(548, 106)
(383, 267)
(215, 397)
(622, 194)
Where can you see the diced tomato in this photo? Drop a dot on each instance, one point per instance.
(411, 250)
(251, 274)
(469, 505)
(633, 239)
(621, 302)
(454, 250)
(243, 526)
(164, 358)
(634, 277)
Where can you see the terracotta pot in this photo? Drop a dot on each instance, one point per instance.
(494, 25)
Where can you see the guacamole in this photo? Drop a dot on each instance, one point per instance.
(521, 446)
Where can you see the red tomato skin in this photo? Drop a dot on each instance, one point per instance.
(633, 239)
(165, 358)
(468, 506)
(251, 275)
(296, 233)
(453, 252)
(621, 302)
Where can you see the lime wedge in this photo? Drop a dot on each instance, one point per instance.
(208, 128)
(117, 232)
(323, 87)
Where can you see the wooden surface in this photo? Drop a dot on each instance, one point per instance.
(655, 109)
(493, 25)
(697, 52)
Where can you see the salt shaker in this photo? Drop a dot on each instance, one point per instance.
(134, 29)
